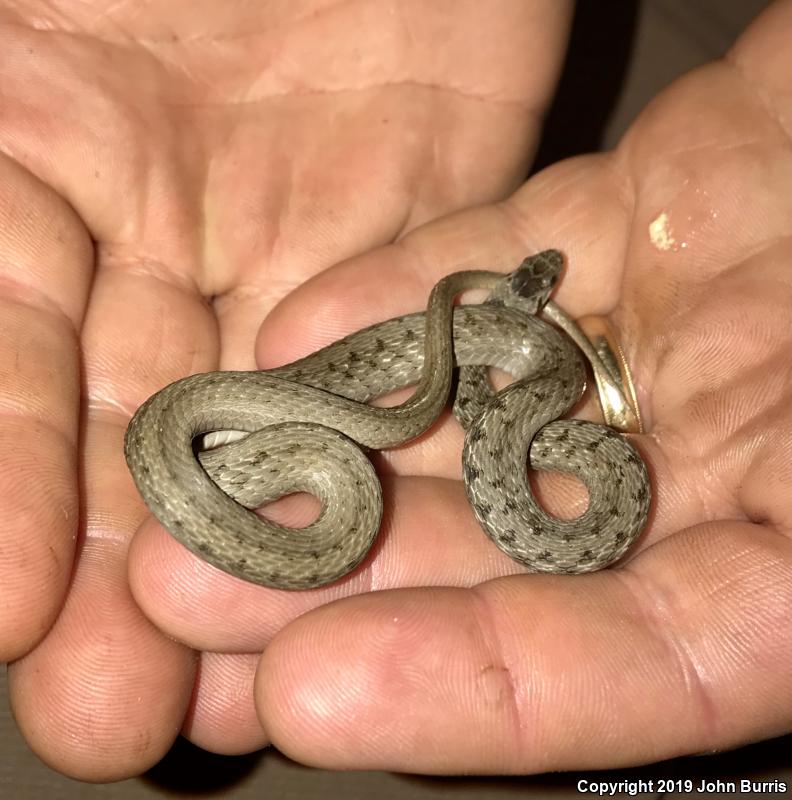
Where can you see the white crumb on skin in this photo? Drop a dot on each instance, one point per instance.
(660, 232)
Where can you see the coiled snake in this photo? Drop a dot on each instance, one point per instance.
(307, 422)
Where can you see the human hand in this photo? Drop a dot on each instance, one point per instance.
(681, 237)
(168, 174)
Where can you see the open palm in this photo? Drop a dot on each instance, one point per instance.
(682, 237)
(169, 176)
(169, 172)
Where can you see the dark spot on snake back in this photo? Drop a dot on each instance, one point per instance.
(477, 434)
(472, 473)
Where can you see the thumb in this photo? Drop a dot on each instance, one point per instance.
(676, 652)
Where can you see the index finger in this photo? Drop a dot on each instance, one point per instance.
(46, 263)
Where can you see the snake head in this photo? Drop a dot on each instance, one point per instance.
(530, 285)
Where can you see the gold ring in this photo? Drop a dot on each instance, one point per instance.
(619, 402)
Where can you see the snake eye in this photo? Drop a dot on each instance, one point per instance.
(537, 275)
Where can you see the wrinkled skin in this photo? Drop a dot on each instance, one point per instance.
(168, 178)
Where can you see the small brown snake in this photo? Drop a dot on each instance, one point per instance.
(307, 422)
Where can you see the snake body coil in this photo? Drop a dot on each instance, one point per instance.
(308, 420)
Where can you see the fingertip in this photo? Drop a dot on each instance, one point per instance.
(107, 706)
(222, 718)
(38, 518)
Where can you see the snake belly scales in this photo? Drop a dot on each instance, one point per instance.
(308, 424)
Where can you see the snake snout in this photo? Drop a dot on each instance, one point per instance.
(537, 276)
